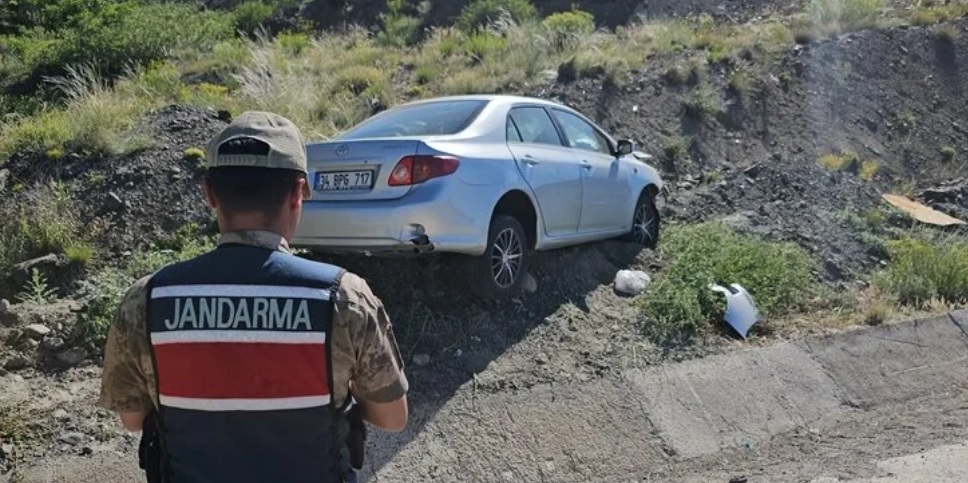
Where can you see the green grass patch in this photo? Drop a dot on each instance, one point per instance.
(479, 14)
(948, 154)
(825, 18)
(40, 223)
(850, 162)
(703, 101)
(679, 304)
(924, 269)
(566, 28)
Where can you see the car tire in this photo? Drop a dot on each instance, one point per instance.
(646, 222)
(499, 272)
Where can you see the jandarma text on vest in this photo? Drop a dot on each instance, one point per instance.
(238, 306)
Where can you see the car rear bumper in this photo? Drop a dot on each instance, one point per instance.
(436, 216)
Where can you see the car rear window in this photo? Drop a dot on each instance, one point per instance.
(429, 119)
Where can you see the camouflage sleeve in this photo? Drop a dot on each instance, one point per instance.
(126, 383)
(377, 373)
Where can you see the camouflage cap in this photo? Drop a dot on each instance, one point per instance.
(287, 149)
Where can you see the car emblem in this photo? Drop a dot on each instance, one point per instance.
(342, 150)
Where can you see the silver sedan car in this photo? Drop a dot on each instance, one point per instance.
(491, 177)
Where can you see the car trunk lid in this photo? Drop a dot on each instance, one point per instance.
(358, 169)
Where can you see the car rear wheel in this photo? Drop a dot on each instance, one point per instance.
(645, 222)
(504, 264)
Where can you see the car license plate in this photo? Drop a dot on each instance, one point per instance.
(344, 180)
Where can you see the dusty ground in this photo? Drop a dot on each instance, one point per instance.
(894, 96)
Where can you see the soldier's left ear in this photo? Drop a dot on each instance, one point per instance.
(209, 194)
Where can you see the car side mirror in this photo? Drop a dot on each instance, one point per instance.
(624, 147)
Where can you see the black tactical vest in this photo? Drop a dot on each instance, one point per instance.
(240, 339)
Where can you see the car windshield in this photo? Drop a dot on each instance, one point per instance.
(430, 119)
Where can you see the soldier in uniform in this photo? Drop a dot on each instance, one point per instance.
(242, 362)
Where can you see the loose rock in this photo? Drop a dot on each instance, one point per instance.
(631, 282)
(72, 357)
(421, 359)
(72, 438)
(113, 203)
(529, 284)
(61, 415)
(36, 331)
(16, 363)
(53, 343)
(4, 306)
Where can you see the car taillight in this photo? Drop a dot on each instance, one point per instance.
(417, 169)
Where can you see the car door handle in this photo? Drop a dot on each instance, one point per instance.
(530, 161)
(586, 165)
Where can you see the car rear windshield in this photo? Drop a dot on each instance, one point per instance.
(430, 119)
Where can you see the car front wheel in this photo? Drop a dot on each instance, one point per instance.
(504, 264)
(645, 222)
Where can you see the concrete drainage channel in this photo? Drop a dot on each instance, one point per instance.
(625, 427)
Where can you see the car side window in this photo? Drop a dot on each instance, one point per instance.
(534, 126)
(579, 134)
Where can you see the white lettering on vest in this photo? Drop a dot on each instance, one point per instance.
(280, 320)
(188, 314)
(244, 313)
(261, 311)
(226, 313)
(302, 316)
(172, 323)
(207, 313)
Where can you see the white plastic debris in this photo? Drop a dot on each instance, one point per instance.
(631, 282)
(741, 311)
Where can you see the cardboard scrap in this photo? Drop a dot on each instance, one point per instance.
(920, 212)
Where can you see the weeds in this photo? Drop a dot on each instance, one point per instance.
(947, 154)
(926, 268)
(37, 291)
(825, 18)
(194, 154)
(703, 101)
(41, 223)
(680, 304)
(851, 163)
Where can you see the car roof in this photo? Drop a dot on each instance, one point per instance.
(500, 98)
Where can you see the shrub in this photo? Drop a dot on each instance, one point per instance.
(831, 17)
(194, 153)
(703, 101)
(739, 81)
(399, 28)
(80, 253)
(361, 80)
(111, 36)
(480, 46)
(565, 28)
(847, 161)
(680, 304)
(868, 169)
(948, 154)
(923, 269)
(676, 149)
(481, 13)
(39, 223)
(249, 16)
